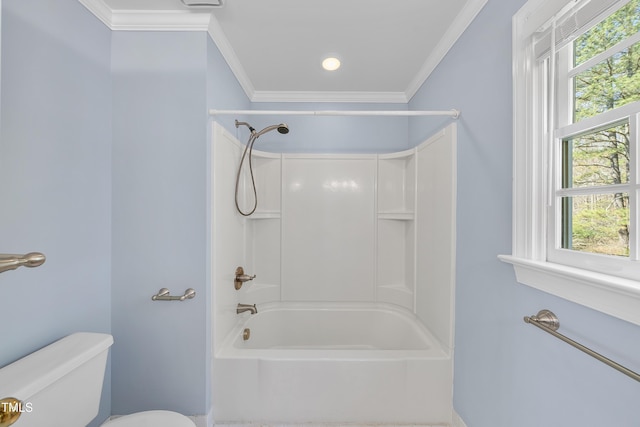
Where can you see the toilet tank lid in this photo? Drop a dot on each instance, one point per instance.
(27, 376)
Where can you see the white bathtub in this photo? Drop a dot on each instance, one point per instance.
(322, 363)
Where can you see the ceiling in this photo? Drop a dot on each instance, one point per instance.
(275, 48)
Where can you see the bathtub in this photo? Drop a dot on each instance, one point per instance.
(332, 363)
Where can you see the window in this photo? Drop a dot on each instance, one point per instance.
(576, 133)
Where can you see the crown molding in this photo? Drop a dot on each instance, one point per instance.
(188, 20)
(100, 10)
(229, 55)
(159, 21)
(329, 96)
(453, 33)
(140, 20)
(458, 27)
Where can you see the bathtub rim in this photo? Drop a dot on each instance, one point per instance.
(436, 350)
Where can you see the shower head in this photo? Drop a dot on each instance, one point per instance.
(282, 128)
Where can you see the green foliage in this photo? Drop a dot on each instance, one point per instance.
(600, 223)
(600, 227)
(616, 80)
(599, 158)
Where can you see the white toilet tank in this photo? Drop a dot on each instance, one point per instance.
(59, 385)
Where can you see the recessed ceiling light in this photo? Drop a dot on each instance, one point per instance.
(331, 64)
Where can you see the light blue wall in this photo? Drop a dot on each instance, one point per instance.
(159, 221)
(55, 170)
(507, 373)
(163, 85)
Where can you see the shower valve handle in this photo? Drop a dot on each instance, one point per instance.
(241, 278)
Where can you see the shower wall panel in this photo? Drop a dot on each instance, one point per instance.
(328, 228)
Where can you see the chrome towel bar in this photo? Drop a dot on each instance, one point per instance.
(163, 295)
(548, 322)
(12, 261)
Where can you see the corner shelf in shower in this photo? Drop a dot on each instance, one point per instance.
(396, 200)
(396, 184)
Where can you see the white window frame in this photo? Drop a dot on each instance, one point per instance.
(605, 291)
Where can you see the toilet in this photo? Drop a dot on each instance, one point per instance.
(60, 386)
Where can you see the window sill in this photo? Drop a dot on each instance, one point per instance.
(612, 295)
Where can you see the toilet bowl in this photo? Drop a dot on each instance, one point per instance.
(60, 386)
(151, 419)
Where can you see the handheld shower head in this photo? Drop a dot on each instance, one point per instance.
(282, 128)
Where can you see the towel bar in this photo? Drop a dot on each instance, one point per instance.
(163, 295)
(548, 322)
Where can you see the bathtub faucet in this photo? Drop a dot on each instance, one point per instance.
(246, 307)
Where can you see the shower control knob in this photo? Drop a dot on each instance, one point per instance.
(241, 278)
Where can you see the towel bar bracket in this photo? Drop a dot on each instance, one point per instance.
(546, 318)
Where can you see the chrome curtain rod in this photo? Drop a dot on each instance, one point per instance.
(452, 113)
(548, 322)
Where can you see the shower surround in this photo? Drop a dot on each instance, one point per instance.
(354, 262)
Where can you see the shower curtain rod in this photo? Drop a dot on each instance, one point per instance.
(453, 113)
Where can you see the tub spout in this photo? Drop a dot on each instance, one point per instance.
(246, 307)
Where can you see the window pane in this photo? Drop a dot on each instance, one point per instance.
(616, 28)
(596, 158)
(610, 84)
(597, 223)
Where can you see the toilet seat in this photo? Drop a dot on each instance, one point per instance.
(151, 419)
